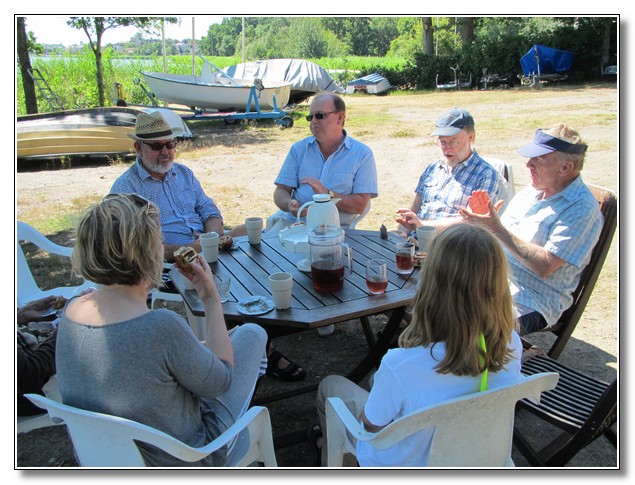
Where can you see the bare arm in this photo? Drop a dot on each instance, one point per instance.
(348, 204)
(536, 258)
(212, 224)
(284, 200)
(409, 221)
(370, 427)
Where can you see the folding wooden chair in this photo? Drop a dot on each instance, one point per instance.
(583, 407)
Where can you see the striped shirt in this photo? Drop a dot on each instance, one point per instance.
(444, 191)
(183, 205)
(567, 224)
(349, 170)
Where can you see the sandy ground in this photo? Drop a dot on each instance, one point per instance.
(237, 166)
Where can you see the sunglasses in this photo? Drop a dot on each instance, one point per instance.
(320, 115)
(137, 199)
(157, 147)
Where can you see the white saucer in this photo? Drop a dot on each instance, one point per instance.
(255, 305)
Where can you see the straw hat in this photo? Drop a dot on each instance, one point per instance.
(152, 126)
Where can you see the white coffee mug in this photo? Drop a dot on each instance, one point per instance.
(254, 229)
(209, 242)
(281, 285)
(425, 235)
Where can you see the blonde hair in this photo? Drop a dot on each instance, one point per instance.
(119, 242)
(463, 292)
(568, 134)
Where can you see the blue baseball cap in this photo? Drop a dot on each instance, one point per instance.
(452, 122)
(545, 143)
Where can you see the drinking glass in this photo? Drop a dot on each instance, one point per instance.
(405, 257)
(223, 284)
(376, 276)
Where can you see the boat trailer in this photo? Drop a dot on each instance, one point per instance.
(252, 110)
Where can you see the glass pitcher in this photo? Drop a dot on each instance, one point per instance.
(327, 246)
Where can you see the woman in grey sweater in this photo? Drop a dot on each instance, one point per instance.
(116, 356)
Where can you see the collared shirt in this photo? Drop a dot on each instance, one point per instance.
(444, 191)
(349, 170)
(567, 224)
(183, 205)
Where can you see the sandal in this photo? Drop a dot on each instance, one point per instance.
(292, 372)
(313, 435)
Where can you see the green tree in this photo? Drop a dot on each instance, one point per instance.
(95, 27)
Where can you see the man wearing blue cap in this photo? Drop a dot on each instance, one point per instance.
(445, 185)
(549, 228)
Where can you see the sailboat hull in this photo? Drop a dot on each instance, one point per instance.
(219, 94)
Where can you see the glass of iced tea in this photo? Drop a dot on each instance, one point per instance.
(376, 276)
(405, 257)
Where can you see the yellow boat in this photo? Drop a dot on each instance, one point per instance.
(91, 131)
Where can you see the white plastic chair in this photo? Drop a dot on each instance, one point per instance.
(102, 440)
(508, 189)
(359, 217)
(471, 431)
(29, 423)
(27, 288)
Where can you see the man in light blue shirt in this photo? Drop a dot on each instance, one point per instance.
(186, 211)
(329, 162)
(549, 228)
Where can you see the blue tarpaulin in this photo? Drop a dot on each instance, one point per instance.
(541, 60)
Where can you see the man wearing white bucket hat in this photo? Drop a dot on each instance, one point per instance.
(548, 229)
(186, 211)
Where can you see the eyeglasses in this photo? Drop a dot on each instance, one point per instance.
(320, 115)
(448, 144)
(157, 147)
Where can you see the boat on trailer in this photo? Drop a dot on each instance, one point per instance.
(215, 90)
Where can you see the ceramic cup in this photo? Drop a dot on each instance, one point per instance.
(254, 229)
(281, 285)
(209, 242)
(425, 235)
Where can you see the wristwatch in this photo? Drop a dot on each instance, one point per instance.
(332, 194)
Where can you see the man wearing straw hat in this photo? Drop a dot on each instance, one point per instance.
(186, 211)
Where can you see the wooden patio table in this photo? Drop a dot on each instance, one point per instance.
(250, 266)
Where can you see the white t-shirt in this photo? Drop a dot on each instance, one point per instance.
(406, 381)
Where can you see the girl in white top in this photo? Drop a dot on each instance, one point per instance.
(463, 293)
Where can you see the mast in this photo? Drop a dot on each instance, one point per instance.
(193, 51)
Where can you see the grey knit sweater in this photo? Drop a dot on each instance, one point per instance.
(150, 369)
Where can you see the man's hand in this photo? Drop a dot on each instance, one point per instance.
(315, 184)
(479, 202)
(407, 219)
(294, 207)
(37, 310)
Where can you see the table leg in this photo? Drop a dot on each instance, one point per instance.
(368, 331)
(375, 354)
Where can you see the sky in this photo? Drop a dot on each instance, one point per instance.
(52, 29)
